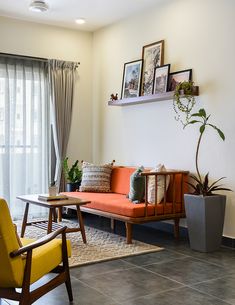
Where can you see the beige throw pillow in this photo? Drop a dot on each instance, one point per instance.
(96, 178)
(160, 184)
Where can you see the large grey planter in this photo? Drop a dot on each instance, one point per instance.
(205, 220)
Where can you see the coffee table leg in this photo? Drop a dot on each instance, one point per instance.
(24, 223)
(79, 214)
(59, 214)
(49, 227)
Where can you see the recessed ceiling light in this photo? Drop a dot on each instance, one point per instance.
(80, 21)
(38, 6)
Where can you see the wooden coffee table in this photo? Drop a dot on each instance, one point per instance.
(52, 224)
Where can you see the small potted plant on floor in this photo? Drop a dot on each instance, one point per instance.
(73, 175)
(204, 209)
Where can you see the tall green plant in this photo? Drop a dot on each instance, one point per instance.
(73, 174)
(201, 186)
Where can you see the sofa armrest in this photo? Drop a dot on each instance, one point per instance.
(176, 188)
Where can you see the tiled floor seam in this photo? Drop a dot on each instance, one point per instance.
(163, 276)
(210, 263)
(151, 294)
(210, 280)
(166, 261)
(208, 294)
(196, 258)
(107, 296)
(107, 272)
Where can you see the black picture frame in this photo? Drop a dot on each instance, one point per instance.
(178, 77)
(153, 56)
(161, 79)
(131, 80)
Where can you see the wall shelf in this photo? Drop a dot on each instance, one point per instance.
(146, 99)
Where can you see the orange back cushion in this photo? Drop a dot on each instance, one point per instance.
(178, 193)
(120, 179)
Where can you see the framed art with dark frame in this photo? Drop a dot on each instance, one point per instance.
(153, 56)
(131, 81)
(161, 77)
(178, 77)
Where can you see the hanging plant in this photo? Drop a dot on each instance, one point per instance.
(184, 101)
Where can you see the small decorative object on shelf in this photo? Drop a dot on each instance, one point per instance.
(113, 97)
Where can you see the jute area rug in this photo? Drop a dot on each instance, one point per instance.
(101, 245)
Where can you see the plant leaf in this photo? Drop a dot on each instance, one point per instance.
(221, 189)
(196, 114)
(221, 134)
(202, 129)
(193, 122)
(202, 112)
(192, 185)
(217, 181)
(206, 182)
(195, 178)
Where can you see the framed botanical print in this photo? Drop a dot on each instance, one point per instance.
(161, 77)
(178, 77)
(152, 56)
(131, 81)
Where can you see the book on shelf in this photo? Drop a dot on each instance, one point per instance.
(47, 197)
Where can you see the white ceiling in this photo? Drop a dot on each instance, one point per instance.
(98, 13)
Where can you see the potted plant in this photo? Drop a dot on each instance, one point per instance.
(204, 209)
(73, 175)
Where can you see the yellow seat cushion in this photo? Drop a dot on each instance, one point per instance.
(46, 257)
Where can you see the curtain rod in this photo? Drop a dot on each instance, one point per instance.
(28, 57)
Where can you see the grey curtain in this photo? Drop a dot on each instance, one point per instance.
(62, 80)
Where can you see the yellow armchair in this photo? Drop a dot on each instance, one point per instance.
(21, 266)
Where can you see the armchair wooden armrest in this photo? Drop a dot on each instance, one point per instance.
(38, 242)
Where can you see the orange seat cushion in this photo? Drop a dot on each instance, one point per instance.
(119, 204)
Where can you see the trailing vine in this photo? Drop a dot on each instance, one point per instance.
(183, 102)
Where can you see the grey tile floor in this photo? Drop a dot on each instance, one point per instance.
(177, 275)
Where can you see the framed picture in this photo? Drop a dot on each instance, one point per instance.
(178, 77)
(152, 56)
(161, 77)
(131, 81)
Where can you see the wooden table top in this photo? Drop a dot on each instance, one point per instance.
(52, 203)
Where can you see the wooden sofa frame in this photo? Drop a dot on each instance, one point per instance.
(129, 221)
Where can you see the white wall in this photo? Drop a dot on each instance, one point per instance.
(32, 39)
(198, 34)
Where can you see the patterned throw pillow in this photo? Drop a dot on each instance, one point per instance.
(160, 185)
(96, 178)
(137, 186)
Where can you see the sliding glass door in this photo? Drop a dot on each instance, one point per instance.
(24, 130)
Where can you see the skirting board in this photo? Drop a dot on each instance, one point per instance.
(168, 227)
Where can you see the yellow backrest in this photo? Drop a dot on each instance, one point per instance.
(11, 269)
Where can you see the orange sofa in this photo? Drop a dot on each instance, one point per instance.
(116, 205)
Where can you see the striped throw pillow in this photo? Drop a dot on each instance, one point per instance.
(96, 178)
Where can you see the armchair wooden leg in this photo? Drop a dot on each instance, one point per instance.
(25, 294)
(128, 233)
(69, 289)
(66, 267)
(177, 228)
